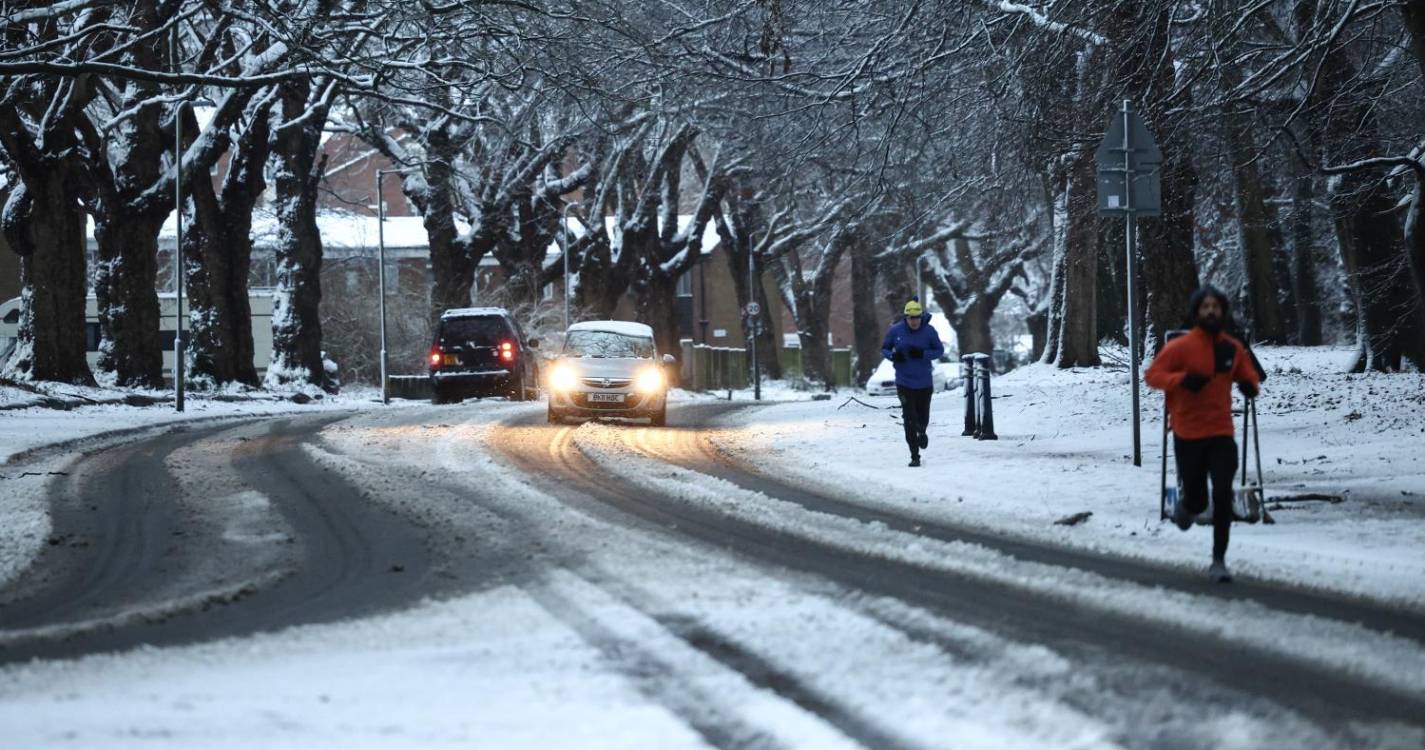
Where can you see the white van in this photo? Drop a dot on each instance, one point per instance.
(260, 300)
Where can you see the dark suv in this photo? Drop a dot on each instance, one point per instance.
(481, 351)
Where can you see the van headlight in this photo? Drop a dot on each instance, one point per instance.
(650, 381)
(562, 378)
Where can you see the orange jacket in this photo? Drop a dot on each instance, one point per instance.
(1208, 412)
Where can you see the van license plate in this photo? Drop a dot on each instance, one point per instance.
(605, 398)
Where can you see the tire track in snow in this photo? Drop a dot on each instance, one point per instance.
(724, 727)
(697, 452)
(129, 511)
(1309, 688)
(754, 668)
(553, 459)
(656, 678)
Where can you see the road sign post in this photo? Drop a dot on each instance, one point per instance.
(754, 324)
(1130, 185)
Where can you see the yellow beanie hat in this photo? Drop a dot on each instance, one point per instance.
(913, 308)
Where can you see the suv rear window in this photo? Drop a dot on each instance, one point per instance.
(481, 331)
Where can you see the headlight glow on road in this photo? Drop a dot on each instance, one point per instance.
(562, 378)
(650, 380)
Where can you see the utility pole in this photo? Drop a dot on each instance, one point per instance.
(1129, 183)
(1130, 246)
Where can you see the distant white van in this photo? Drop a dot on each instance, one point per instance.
(260, 300)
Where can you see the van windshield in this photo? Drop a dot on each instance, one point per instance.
(607, 344)
(484, 331)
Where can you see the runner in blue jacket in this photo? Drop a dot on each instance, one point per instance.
(913, 346)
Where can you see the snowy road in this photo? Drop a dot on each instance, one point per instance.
(636, 587)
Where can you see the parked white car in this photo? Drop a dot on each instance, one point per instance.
(945, 375)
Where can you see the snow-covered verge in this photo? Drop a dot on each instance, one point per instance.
(1065, 447)
(36, 443)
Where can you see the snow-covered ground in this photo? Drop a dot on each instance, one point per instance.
(603, 634)
(1065, 447)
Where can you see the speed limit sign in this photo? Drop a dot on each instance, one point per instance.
(753, 308)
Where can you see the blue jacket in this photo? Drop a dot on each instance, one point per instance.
(913, 372)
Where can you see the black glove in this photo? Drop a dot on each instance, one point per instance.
(1194, 382)
(915, 352)
(1225, 354)
(896, 356)
(1248, 390)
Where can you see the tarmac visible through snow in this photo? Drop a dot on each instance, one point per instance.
(449, 576)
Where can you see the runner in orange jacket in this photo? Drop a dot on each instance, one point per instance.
(1196, 373)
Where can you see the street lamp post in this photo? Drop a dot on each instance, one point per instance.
(564, 232)
(754, 322)
(703, 295)
(381, 278)
(178, 348)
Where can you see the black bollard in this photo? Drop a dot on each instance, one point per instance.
(986, 431)
(967, 371)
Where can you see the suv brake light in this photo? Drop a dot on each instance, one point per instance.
(507, 351)
(435, 356)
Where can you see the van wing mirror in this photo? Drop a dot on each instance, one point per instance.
(533, 343)
(668, 359)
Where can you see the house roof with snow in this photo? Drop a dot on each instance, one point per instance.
(348, 235)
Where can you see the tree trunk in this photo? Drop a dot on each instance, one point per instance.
(600, 284)
(1415, 251)
(768, 343)
(296, 323)
(1414, 13)
(1166, 263)
(452, 265)
(1078, 321)
(1259, 248)
(218, 252)
(1038, 324)
(1059, 270)
(816, 352)
(129, 208)
(868, 333)
(1391, 313)
(125, 283)
(897, 287)
(1369, 239)
(1304, 287)
(769, 335)
(656, 301)
(1112, 283)
(973, 329)
(44, 224)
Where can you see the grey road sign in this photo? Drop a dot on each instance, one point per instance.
(1129, 153)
